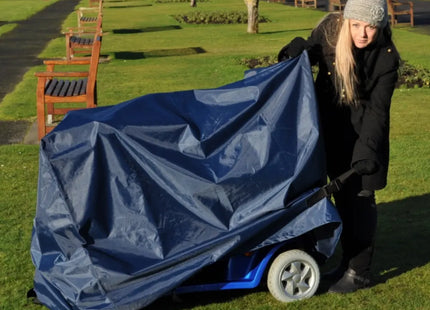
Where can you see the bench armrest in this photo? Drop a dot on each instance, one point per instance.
(80, 30)
(61, 74)
(67, 62)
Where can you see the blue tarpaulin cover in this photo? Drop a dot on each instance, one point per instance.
(134, 199)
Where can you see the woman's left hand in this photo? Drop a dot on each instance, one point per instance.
(365, 167)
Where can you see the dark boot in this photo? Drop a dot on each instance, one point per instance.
(31, 295)
(350, 282)
(336, 273)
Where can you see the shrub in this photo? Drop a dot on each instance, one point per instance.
(263, 61)
(172, 1)
(216, 18)
(409, 76)
(413, 77)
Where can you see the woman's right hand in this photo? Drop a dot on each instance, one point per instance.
(365, 167)
(293, 49)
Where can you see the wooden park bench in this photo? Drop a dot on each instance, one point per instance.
(336, 5)
(94, 3)
(305, 3)
(397, 8)
(60, 92)
(79, 41)
(88, 16)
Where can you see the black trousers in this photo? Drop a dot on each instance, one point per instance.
(357, 208)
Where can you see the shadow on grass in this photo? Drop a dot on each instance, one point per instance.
(403, 237)
(284, 31)
(402, 245)
(126, 6)
(193, 300)
(116, 1)
(147, 29)
(125, 55)
(401, 241)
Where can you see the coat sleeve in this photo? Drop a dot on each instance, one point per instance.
(312, 44)
(373, 113)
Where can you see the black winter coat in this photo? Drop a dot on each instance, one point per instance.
(355, 133)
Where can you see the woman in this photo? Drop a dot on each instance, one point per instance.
(358, 65)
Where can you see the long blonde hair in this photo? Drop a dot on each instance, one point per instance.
(336, 31)
(346, 78)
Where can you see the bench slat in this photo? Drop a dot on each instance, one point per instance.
(50, 86)
(57, 88)
(77, 87)
(71, 88)
(64, 88)
(84, 87)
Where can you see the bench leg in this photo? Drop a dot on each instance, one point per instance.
(412, 17)
(40, 94)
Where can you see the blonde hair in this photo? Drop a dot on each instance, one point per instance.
(336, 31)
(346, 78)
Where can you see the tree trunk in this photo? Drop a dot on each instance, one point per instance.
(193, 3)
(252, 15)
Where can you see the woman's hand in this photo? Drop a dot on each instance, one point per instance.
(365, 166)
(293, 49)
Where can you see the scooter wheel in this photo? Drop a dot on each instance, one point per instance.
(293, 275)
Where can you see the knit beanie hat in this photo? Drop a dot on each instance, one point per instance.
(373, 12)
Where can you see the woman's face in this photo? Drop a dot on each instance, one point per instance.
(362, 33)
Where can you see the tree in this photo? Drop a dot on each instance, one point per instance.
(193, 3)
(252, 15)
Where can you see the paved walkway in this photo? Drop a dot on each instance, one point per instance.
(20, 47)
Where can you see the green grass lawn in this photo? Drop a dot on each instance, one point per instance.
(150, 52)
(13, 11)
